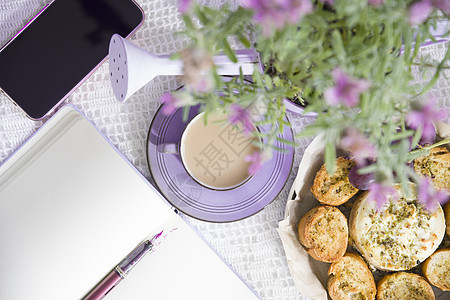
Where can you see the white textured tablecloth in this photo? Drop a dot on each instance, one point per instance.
(252, 246)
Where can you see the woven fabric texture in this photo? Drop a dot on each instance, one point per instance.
(251, 246)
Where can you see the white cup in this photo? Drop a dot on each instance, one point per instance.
(213, 153)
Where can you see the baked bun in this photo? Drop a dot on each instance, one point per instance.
(323, 231)
(334, 189)
(404, 286)
(350, 278)
(436, 166)
(447, 217)
(436, 269)
(400, 235)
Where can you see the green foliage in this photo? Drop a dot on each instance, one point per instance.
(375, 43)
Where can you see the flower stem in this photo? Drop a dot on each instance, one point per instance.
(429, 65)
(440, 143)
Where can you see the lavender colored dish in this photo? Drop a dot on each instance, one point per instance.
(195, 200)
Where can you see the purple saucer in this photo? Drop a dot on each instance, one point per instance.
(203, 203)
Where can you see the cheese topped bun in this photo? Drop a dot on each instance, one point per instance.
(400, 235)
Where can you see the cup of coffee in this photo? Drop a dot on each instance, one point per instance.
(213, 151)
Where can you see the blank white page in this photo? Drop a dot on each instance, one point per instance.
(71, 208)
(182, 266)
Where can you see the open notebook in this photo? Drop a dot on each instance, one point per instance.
(71, 208)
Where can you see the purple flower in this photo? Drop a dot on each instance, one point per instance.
(257, 159)
(376, 2)
(380, 194)
(240, 115)
(423, 117)
(419, 12)
(429, 196)
(271, 14)
(443, 5)
(256, 162)
(346, 91)
(184, 6)
(358, 145)
(172, 102)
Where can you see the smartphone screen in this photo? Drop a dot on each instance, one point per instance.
(42, 64)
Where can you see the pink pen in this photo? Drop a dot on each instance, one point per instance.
(121, 270)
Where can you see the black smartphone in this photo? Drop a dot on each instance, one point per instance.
(59, 48)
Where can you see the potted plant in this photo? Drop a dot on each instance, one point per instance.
(347, 61)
